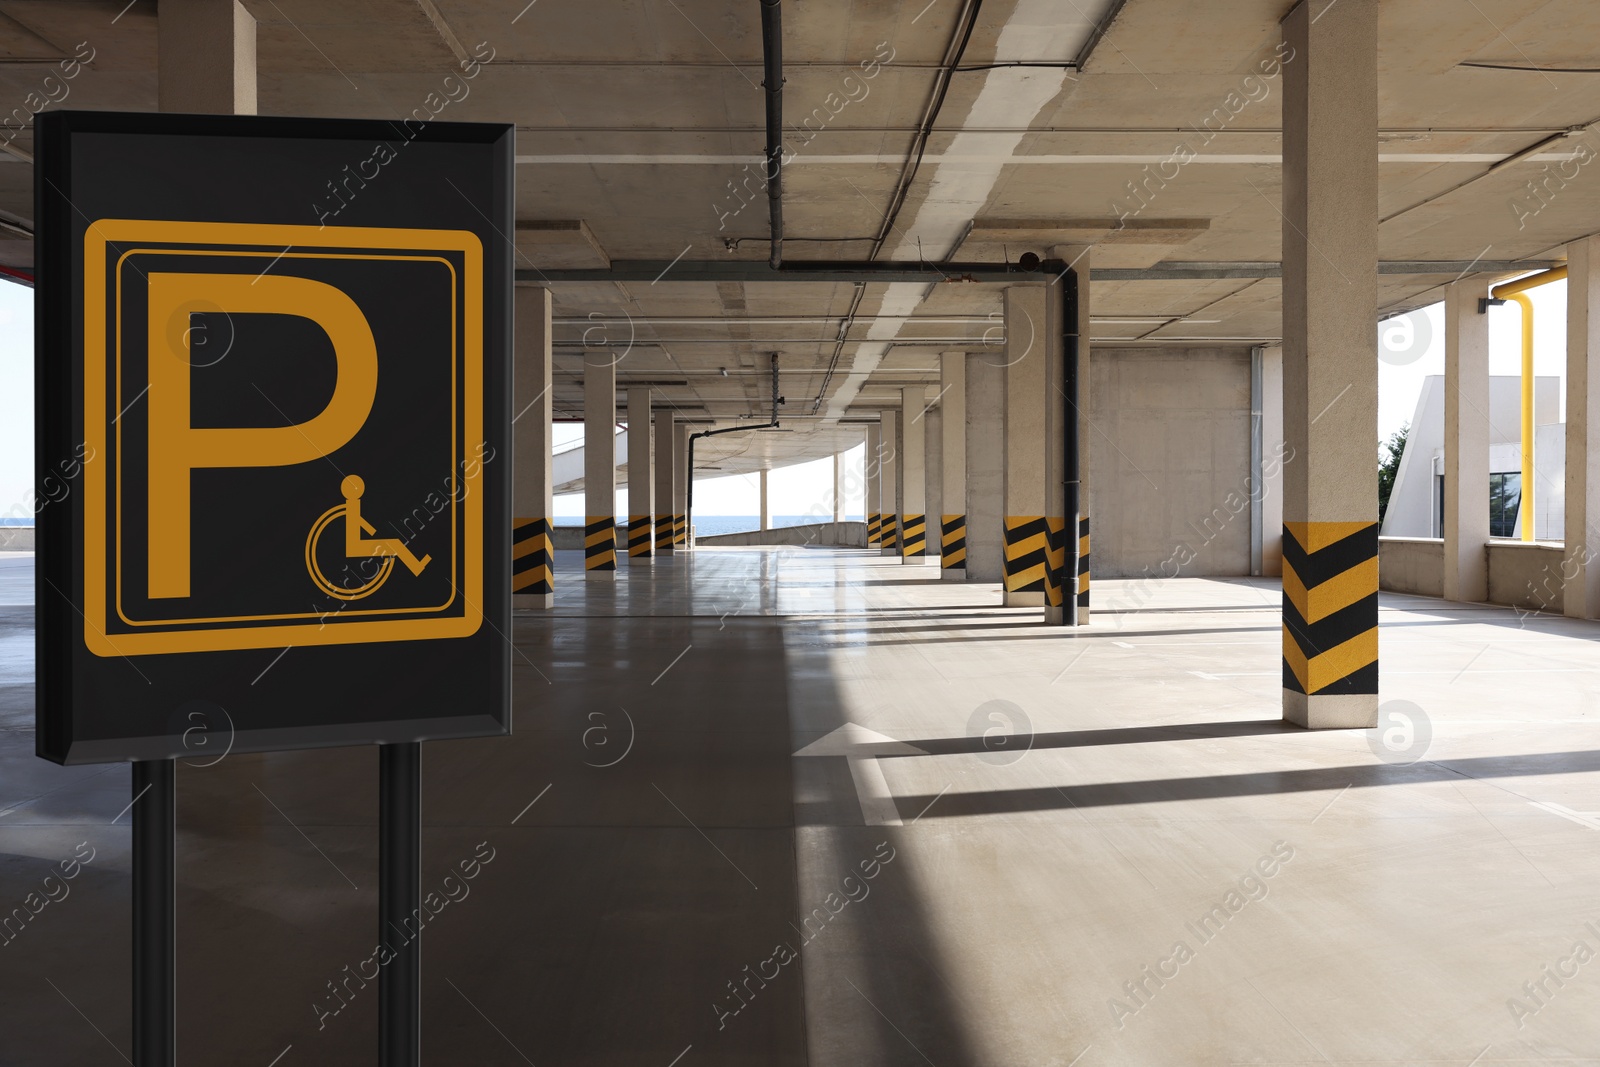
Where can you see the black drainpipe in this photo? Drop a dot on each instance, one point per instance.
(1070, 461)
(688, 494)
(772, 55)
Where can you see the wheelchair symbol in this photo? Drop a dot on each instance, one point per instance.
(356, 547)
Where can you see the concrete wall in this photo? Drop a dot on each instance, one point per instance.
(1526, 575)
(1170, 461)
(848, 534)
(1411, 565)
(16, 539)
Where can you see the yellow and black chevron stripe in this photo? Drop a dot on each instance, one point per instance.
(1055, 559)
(638, 535)
(888, 533)
(1083, 561)
(1027, 541)
(1330, 607)
(913, 535)
(874, 527)
(600, 543)
(666, 528)
(680, 529)
(952, 542)
(531, 556)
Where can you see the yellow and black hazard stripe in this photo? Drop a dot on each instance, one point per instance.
(600, 543)
(952, 542)
(913, 535)
(680, 529)
(1330, 607)
(874, 523)
(888, 533)
(638, 535)
(1083, 561)
(531, 556)
(666, 529)
(1027, 542)
(1055, 540)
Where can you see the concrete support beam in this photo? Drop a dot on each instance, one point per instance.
(765, 520)
(1581, 569)
(1330, 282)
(1267, 490)
(641, 489)
(1466, 443)
(933, 471)
(1027, 533)
(599, 466)
(838, 487)
(206, 57)
(666, 481)
(913, 476)
(889, 482)
(532, 553)
(953, 466)
(680, 488)
(986, 469)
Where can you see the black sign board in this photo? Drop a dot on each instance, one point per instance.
(273, 376)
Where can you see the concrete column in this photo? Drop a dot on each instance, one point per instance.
(1267, 495)
(872, 464)
(599, 465)
(206, 57)
(1330, 376)
(532, 554)
(913, 476)
(838, 487)
(666, 481)
(953, 466)
(1580, 570)
(1028, 383)
(641, 490)
(986, 468)
(933, 470)
(1466, 443)
(764, 519)
(680, 487)
(889, 482)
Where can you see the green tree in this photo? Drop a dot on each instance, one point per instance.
(1389, 454)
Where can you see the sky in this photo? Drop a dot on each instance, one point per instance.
(794, 490)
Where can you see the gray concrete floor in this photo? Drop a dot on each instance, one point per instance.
(1063, 811)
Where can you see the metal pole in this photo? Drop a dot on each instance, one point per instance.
(399, 901)
(155, 917)
(1070, 472)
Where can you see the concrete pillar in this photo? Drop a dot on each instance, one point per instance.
(838, 487)
(986, 468)
(666, 481)
(889, 482)
(872, 463)
(953, 466)
(1466, 443)
(1267, 494)
(913, 476)
(933, 470)
(680, 488)
(1580, 570)
(764, 519)
(206, 57)
(1330, 376)
(1028, 382)
(532, 554)
(641, 490)
(599, 465)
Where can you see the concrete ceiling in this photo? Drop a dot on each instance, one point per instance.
(640, 129)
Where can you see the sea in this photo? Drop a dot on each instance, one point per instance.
(710, 525)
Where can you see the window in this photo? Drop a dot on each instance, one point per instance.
(1505, 494)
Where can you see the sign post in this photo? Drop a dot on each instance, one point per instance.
(276, 355)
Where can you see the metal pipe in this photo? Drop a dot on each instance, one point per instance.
(399, 901)
(688, 489)
(1517, 291)
(1071, 475)
(155, 916)
(772, 60)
